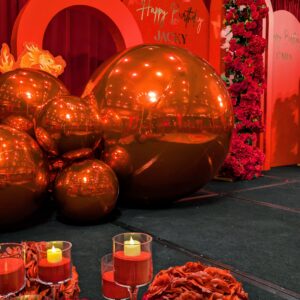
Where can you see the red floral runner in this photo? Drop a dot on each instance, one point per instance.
(195, 281)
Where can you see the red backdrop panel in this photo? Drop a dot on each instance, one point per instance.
(284, 103)
(182, 23)
(84, 40)
(9, 10)
(293, 6)
(89, 31)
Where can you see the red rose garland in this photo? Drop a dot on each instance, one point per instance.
(244, 76)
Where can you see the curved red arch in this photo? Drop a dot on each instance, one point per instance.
(216, 23)
(34, 18)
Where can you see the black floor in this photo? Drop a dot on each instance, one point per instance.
(251, 228)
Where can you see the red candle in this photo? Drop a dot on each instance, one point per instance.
(133, 270)
(12, 275)
(110, 289)
(55, 272)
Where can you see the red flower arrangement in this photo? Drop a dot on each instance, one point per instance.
(195, 281)
(244, 76)
(69, 290)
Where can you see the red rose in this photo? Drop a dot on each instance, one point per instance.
(244, 2)
(249, 61)
(250, 25)
(246, 70)
(234, 101)
(238, 87)
(238, 29)
(250, 96)
(237, 63)
(263, 12)
(240, 52)
(231, 15)
(254, 13)
(234, 45)
(228, 58)
(260, 2)
(257, 45)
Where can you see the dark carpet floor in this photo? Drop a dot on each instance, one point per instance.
(251, 228)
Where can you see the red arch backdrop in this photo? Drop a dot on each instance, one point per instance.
(82, 25)
(76, 21)
(292, 6)
(84, 49)
(108, 21)
(87, 29)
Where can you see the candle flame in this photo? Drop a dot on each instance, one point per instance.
(131, 241)
(53, 249)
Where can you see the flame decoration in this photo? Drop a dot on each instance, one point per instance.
(31, 57)
(7, 60)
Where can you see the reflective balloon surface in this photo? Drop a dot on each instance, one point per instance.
(22, 92)
(78, 154)
(66, 124)
(86, 191)
(23, 175)
(19, 122)
(170, 112)
(119, 160)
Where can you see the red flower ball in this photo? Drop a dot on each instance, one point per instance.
(195, 281)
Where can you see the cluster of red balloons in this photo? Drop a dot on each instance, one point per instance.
(38, 114)
(157, 116)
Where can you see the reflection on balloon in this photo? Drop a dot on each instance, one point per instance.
(20, 123)
(23, 175)
(170, 113)
(119, 160)
(22, 92)
(56, 165)
(86, 191)
(78, 154)
(66, 124)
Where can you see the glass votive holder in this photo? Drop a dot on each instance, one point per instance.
(110, 290)
(54, 262)
(12, 269)
(132, 254)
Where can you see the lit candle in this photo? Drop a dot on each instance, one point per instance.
(132, 247)
(54, 255)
